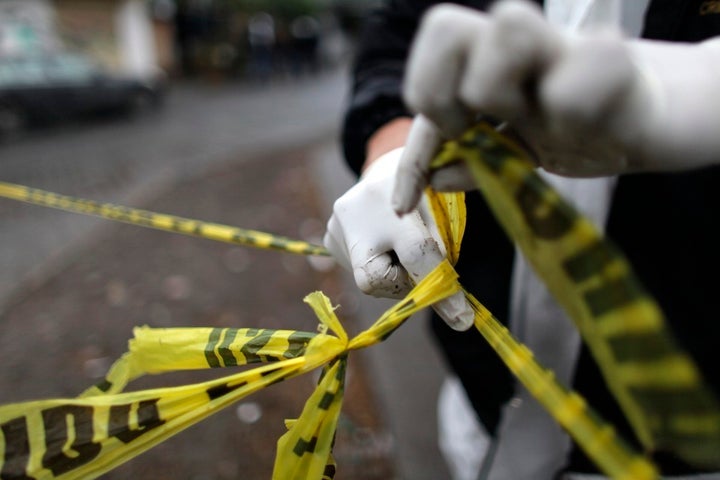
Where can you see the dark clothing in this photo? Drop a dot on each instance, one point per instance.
(379, 68)
(665, 223)
(667, 226)
(486, 259)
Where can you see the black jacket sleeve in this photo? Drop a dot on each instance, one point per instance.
(378, 72)
(376, 99)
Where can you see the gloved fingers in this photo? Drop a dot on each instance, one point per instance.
(382, 276)
(386, 253)
(456, 312)
(436, 63)
(419, 253)
(506, 60)
(453, 178)
(414, 166)
(377, 261)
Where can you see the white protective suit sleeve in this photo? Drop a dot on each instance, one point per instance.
(385, 252)
(586, 104)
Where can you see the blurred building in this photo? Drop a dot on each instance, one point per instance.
(208, 38)
(131, 36)
(26, 26)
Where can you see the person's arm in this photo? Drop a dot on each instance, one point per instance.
(588, 104)
(388, 137)
(377, 76)
(385, 253)
(376, 94)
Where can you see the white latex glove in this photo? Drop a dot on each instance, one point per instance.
(387, 253)
(587, 104)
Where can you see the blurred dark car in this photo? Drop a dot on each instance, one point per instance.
(47, 89)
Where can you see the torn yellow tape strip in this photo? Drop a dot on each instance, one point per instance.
(160, 221)
(608, 451)
(85, 437)
(591, 279)
(304, 452)
(450, 215)
(597, 439)
(161, 350)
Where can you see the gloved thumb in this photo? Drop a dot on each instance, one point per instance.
(456, 312)
(414, 166)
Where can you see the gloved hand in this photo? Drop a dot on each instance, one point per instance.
(587, 104)
(387, 253)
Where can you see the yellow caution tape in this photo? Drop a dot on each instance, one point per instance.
(450, 216)
(160, 221)
(597, 439)
(38, 444)
(85, 437)
(305, 451)
(656, 383)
